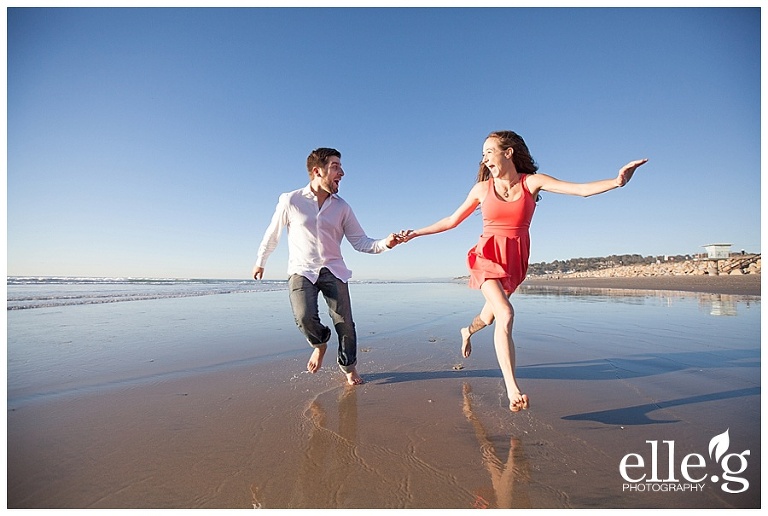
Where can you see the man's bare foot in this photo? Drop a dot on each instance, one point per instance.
(466, 345)
(316, 360)
(353, 378)
(519, 402)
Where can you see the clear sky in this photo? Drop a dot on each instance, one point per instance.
(155, 142)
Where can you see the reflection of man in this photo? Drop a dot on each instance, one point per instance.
(330, 459)
(317, 219)
(506, 478)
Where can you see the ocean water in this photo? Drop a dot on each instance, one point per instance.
(25, 292)
(69, 336)
(66, 334)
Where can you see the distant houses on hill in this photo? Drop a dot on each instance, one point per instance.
(607, 262)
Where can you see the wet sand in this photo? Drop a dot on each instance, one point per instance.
(429, 429)
(748, 284)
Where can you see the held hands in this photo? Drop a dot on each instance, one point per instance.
(400, 238)
(406, 235)
(625, 174)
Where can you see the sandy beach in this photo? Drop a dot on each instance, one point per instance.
(224, 415)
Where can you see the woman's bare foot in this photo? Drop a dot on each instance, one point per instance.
(466, 345)
(353, 378)
(316, 360)
(519, 402)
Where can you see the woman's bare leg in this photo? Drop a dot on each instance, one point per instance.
(502, 340)
(483, 319)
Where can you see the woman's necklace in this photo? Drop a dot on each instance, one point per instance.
(509, 188)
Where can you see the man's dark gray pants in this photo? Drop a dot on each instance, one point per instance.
(304, 302)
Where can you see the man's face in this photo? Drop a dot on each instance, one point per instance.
(331, 175)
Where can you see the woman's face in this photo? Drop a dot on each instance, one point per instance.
(498, 161)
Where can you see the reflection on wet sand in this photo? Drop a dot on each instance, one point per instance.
(715, 304)
(723, 304)
(509, 481)
(330, 455)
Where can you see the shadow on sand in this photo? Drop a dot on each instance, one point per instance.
(637, 366)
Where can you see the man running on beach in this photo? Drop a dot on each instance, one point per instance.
(317, 218)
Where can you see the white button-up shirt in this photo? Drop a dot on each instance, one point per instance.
(314, 234)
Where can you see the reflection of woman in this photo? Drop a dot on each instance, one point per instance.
(507, 188)
(506, 478)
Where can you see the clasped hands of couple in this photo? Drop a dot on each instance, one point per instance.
(401, 237)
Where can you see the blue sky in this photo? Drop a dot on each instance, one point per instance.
(155, 142)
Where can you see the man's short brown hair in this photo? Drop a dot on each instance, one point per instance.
(319, 158)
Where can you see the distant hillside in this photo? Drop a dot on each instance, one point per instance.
(634, 265)
(592, 264)
(637, 266)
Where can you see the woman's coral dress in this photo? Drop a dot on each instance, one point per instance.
(504, 247)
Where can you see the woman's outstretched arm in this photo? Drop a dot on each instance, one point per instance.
(451, 221)
(539, 182)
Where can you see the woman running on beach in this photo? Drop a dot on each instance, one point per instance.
(507, 189)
